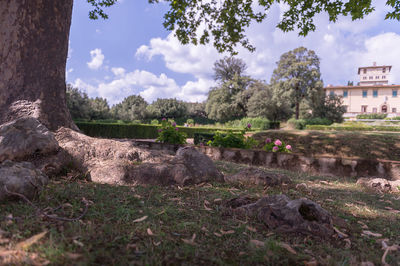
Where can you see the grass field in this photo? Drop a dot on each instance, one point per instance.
(172, 225)
(374, 145)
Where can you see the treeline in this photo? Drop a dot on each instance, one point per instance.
(295, 91)
(132, 108)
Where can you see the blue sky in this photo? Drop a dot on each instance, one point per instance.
(131, 52)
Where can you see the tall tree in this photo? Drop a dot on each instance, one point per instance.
(131, 108)
(167, 108)
(229, 100)
(78, 103)
(225, 69)
(266, 103)
(33, 52)
(297, 75)
(34, 41)
(99, 108)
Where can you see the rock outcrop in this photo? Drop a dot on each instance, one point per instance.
(281, 214)
(121, 162)
(25, 137)
(380, 184)
(22, 178)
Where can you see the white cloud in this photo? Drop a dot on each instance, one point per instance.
(191, 59)
(118, 71)
(69, 70)
(97, 59)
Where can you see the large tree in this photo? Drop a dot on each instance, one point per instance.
(229, 100)
(131, 108)
(167, 108)
(34, 41)
(226, 68)
(297, 76)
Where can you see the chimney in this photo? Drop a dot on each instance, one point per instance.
(374, 63)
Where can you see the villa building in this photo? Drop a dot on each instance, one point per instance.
(373, 94)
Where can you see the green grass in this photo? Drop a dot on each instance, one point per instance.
(107, 234)
(372, 145)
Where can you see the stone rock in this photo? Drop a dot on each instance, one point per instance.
(380, 184)
(201, 167)
(281, 214)
(22, 178)
(189, 166)
(257, 176)
(24, 138)
(121, 162)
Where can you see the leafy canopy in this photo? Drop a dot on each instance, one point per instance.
(224, 22)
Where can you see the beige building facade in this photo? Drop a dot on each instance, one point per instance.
(371, 95)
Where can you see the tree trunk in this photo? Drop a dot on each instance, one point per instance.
(297, 110)
(33, 52)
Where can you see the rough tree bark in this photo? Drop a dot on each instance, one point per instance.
(33, 52)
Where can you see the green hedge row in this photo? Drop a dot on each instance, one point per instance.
(353, 128)
(371, 116)
(134, 131)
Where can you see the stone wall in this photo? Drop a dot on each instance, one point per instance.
(317, 165)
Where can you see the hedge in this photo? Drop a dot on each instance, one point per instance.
(371, 116)
(353, 128)
(134, 131)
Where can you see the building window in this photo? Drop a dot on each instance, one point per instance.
(384, 70)
(394, 110)
(365, 71)
(345, 108)
(375, 93)
(363, 108)
(374, 110)
(394, 93)
(384, 109)
(371, 77)
(364, 94)
(383, 77)
(364, 78)
(377, 77)
(345, 94)
(331, 93)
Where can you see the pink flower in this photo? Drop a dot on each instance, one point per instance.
(174, 124)
(278, 142)
(275, 148)
(176, 129)
(160, 130)
(248, 125)
(164, 119)
(201, 144)
(288, 147)
(268, 140)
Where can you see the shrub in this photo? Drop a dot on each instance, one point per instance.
(118, 130)
(203, 138)
(134, 131)
(257, 122)
(296, 123)
(276, 146)
(371, 116)
(233, 140)
(274, 124)
(190, 121)
(169, 133)
(318, 121)
(154, 122)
